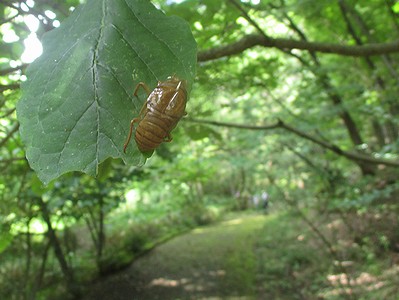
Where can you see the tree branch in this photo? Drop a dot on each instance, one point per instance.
(10, 160)
(11, 70)
(13, 86)
(280, 124)
(7, 113)
(9, 19)
(249, 19)
(253, 40)
(233, 125)
(9, 135)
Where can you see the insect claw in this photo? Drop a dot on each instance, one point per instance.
(168, 138)
(130, 134)
(144, 86)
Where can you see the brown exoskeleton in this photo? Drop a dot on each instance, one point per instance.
(161, 112)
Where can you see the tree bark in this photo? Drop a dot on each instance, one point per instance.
(347, 10)
(253, 40)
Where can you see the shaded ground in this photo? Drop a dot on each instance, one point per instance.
(252, 257)
(213, 262)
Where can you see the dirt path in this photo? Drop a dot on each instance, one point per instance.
(213, 262)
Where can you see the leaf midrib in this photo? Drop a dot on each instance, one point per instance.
(96, 78)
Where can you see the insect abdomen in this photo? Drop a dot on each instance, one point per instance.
(153, 129)
(159, 115)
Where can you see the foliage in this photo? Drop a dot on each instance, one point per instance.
(260, 64)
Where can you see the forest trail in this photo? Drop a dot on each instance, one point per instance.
(210, 262)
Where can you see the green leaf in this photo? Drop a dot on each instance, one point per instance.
(78, 100)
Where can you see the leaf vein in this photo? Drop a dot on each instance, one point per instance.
(133, 49)
(158, 37)
(109, 70)
(96, 77)
(70, 133)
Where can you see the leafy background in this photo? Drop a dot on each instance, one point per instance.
(331, 229)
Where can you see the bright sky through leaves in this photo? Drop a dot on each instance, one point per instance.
(32, 45)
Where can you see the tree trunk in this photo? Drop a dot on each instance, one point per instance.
(391, 129)
(336, 99)
(56, 245)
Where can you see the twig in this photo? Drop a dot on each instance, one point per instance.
(7, 113)
(11, 70)
(13, 86)
(9, 135)
(249, 19)
(280, 124)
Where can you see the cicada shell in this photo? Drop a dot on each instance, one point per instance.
(161, 112)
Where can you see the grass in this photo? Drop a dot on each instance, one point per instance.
(210, 261)
(289, 267)
(246, 256)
